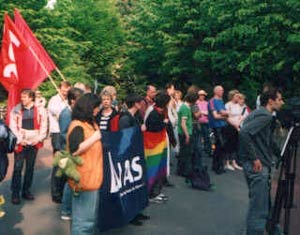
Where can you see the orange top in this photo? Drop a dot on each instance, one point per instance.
(91, 171)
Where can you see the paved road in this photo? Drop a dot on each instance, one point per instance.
(188, 212)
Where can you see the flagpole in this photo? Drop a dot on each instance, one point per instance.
(48, 74)
(59, 72)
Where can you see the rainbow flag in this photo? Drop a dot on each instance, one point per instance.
(155, 144)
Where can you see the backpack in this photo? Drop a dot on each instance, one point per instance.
(200, 180)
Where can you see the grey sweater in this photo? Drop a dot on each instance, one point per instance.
(256, 138)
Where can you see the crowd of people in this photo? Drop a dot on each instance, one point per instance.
(75, 119)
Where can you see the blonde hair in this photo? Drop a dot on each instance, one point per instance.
(232, 93)
(110, 89)
(242, 96)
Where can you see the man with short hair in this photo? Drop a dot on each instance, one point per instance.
(130, 117)
(29, 123)
(217, 115)
(56, 104)
(256, 151)
(150, 94)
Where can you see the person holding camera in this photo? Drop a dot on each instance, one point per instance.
(256, 151)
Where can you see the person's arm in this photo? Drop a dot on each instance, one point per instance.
(185, 130)
(251, 128)
(87, 143)
(77, 143)
(43, 124)
(218, 112)
(124, 122)
(13, 125)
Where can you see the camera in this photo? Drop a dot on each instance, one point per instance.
(290, 114)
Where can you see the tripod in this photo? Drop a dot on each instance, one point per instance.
(285, 190)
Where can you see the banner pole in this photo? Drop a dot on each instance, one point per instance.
(60, 73)
(48, 74)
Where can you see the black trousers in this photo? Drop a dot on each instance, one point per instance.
(27, 155)
(57, 183)
(219, 153)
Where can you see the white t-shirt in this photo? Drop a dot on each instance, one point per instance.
(55, 106)
(235, 113)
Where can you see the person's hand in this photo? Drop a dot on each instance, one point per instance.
(34, 143)
(23, 143)
(143, 127)
(257, 166)
(97, 135)
(187, 139)
(166, 120)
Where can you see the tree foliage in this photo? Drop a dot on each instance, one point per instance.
(236, 43)
(82, 37)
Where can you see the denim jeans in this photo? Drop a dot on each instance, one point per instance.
(27, 155)
(66, 205)
(259, 198)
(84, 213)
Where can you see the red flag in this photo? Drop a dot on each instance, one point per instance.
(35, 64)
(13, 45)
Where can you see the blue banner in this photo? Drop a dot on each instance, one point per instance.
(124, 190)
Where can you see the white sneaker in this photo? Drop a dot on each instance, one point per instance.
(238, 167)
(66, 217)
(229, 167)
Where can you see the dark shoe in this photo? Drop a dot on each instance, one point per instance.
(15, 200)
(56, 200)
(168, 184)
(141, 216)
(136, 222)
(28, 196)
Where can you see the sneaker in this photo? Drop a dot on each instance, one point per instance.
(163, 197)
(66, 217)
(229, 167)
(236, 166)
(157, 200)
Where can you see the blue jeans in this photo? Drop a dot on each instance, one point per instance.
(66, 205)
(28, 154)
(259, 198)
(84, 213)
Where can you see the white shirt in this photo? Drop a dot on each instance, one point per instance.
(55, 106)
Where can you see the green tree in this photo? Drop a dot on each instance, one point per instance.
(240, 44)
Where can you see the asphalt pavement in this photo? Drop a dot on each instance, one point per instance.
(188, 211)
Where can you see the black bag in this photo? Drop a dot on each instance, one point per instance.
(10, 141)
(200, 180)
(3, 165)
(8, 138)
